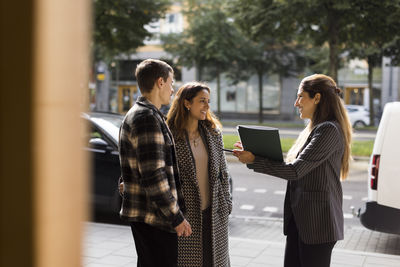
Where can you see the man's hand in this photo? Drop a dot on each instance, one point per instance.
(184, 229)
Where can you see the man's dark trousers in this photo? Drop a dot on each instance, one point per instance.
(154, 247)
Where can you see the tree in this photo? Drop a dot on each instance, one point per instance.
(119, 25)
(267, 50)
(392, 50)
(210, 41)
(307, 22)
(374, 25)
(119, 29)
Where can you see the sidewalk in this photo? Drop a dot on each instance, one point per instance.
(251, 245)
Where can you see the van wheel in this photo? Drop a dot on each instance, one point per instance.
(359, 124)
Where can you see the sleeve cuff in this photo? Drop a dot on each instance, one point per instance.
(259, 164)
(178, 219)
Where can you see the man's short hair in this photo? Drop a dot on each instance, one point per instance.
(148, 71)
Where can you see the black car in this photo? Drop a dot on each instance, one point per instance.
(102, 144)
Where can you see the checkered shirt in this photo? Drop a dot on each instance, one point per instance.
(152, 189)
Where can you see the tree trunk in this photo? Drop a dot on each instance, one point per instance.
(260, 95)
(218, 93)
(333, 47)
(371, 92)
(333, 59)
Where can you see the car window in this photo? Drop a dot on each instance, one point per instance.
(92, 133)
(95, 134)
(111, 128)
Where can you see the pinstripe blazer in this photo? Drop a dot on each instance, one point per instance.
(314, 192)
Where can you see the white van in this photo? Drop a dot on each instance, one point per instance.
(382, 211)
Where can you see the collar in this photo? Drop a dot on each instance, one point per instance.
(143, 101)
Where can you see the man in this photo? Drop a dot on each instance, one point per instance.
(152, 198)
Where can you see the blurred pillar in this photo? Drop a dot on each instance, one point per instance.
(44, 65)
(16, 167)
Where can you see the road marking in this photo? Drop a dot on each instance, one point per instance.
(279, 192)
(270, 209)
(347, 197)
(247, 207)
(256, 218)
(260, 191)
(348, 215)
(241, 189)
(364, 199)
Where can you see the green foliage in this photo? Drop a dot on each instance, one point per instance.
(392, 50)
(362, 148)
(229, 140)
(119, 25)
(287, 143)
(373, 27)
(273, 48)
(209, 41)
(309, 23)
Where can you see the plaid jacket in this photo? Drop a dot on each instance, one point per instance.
(152, 189)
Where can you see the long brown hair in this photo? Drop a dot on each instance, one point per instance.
(178, 114)
(329, 108)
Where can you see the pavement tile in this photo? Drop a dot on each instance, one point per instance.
(112, 246)
(274, 251)
(239, 261)
(94, 252)
(100, 265)
(268, 259)
(347, 259)
(128, 251)
(238, 251)
(115, 260)
(383, 261)
(253, 264)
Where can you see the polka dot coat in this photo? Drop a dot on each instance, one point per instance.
(190, 252)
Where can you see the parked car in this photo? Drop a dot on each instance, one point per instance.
(102, 144)
(382, 210)
(358, 115)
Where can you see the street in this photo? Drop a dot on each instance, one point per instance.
(261, 196)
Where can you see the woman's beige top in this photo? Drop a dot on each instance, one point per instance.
(201, 159)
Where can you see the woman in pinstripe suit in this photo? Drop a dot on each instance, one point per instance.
(314, 167)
